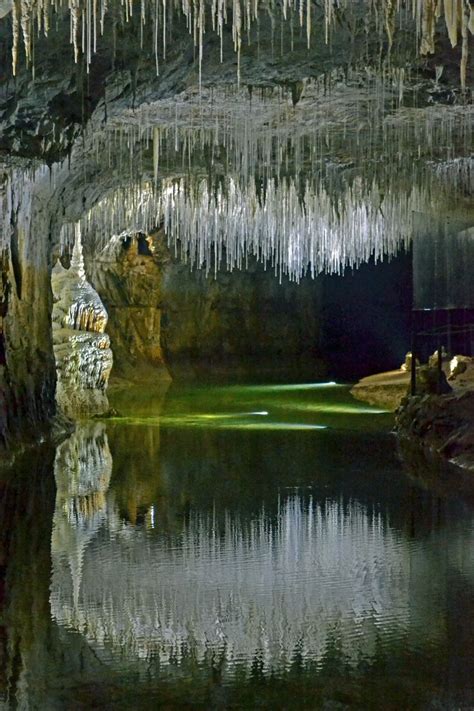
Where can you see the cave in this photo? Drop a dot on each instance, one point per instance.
(236, 354)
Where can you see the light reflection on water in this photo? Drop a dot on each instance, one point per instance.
(190, 553)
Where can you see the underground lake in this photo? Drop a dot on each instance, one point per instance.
(233, 546)
(236, 355)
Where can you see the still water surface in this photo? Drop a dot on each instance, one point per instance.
(234, 547)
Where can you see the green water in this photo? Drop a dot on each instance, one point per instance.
(233, 547)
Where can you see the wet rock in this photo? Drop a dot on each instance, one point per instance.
(407, 363)
(389, 389)
(430, 381)
(240, 323)
(166, 319)
(461, 372)
(443, 424)
(27, 372)
(433, 359)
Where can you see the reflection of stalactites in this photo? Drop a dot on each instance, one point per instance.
(246, 594)
(428, 22)
(76, 559)
(82, 469)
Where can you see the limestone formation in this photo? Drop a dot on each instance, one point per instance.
(81, 347)
(461, 374)
(389, 389)
(164, 318)
(128, 274)
(385, 390)
(26, 358)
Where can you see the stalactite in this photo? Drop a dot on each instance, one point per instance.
(16, 34)
(451, 15)
(428, 27)
(88, 18)
(465, 45)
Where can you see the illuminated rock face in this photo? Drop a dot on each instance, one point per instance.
(128, 275)
(81, 348)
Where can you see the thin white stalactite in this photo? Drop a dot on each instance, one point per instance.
(31, 15)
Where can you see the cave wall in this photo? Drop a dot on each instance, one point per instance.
(168, 320)
(244, 322)
(165, 319)
(27, 373)
(128, 275)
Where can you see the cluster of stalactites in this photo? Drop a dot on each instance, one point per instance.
(87, 18)
(271, 138)
(295, 229)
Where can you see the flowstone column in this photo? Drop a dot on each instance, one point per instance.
(81, 346)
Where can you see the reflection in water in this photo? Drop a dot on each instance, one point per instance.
(243, 590)
(82, 470)
(293, 581)
(223, 568)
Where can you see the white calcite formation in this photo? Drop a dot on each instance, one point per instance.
(81, 346)
(87, 22)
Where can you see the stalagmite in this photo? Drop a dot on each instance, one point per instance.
(81, 348)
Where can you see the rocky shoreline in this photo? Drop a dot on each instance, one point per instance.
(440, 424)
(434, 430)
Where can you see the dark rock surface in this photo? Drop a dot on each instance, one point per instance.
(441, 424)
(27, 374)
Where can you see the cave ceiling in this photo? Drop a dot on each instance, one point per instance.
(313, 134)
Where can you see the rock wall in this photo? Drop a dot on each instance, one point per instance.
(164, 318)
(27, 373)
(128, 275)
(244, 322)
(81, 346)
